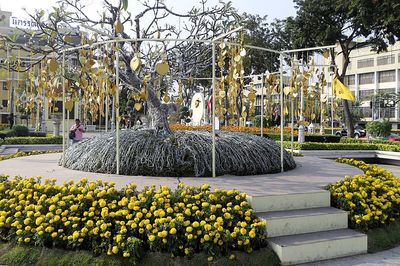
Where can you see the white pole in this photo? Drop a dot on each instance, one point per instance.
(332, 113)
(67, 123)
(63, 107)
(262, 105)
(292, 122)
(113, 113)
(281, 100)
(321, 123)
(301, 127)
(213, 157)
(117, 106)
(107, 104)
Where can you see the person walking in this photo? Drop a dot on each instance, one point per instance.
(76, 131)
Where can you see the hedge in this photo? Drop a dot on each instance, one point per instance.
(307, 138)
(37, 134)
(374, 141)
(32, 140)
(341, 146)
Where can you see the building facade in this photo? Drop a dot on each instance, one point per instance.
(370, 74)
(11, 81)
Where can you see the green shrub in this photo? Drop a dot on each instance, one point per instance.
(4, 126)
(277, 136)
(379, 129)
(8, 132)
(33, 140)
(374, 141)
(307, 138)
(21, 131)
(342, 146)
(267, 122)
(322, 138)
(37, 134)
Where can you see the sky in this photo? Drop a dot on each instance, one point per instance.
(272, 8)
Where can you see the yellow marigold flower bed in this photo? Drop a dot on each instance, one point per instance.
(254, 130)
(371, 199)
(96, 216)
(22, 154)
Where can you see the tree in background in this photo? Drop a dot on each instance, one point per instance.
(350, 24)
(61, 28)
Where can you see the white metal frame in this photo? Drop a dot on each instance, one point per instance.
(213, 42)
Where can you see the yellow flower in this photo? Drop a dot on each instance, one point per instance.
(126, 254)
(210, 258)
(172, 231)
(115, 249)
(227, 215)
(252, 234)
(152, 238)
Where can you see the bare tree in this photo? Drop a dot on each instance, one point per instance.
(60, 29)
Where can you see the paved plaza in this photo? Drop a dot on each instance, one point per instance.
(310, 174)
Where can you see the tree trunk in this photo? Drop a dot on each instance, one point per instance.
(348, 116)
(349, 121)
(158, 113)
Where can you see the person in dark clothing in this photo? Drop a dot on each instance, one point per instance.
(276, 118)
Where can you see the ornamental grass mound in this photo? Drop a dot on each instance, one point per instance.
(184, 153)
(98, 217)
(371, 199)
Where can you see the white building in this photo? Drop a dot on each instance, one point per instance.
(370, 73)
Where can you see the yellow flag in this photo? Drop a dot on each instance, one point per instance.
(341, 91)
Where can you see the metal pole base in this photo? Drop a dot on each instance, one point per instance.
(301, 134)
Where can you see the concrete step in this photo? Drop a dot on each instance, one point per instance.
(294, 201)
(318, 246)
(283, 223)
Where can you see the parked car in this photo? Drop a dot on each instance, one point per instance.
(359, 132)
(394, 137)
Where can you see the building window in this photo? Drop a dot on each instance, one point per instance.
(387, 76)
(366, 78)
(369, 62)
(350, 80)
(365, 95)
(4, 103)
(385, 60)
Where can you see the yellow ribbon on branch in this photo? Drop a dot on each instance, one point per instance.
(341, 91)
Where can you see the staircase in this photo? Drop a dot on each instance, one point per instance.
(303, 227)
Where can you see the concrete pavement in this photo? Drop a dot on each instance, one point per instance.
(311, 174)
